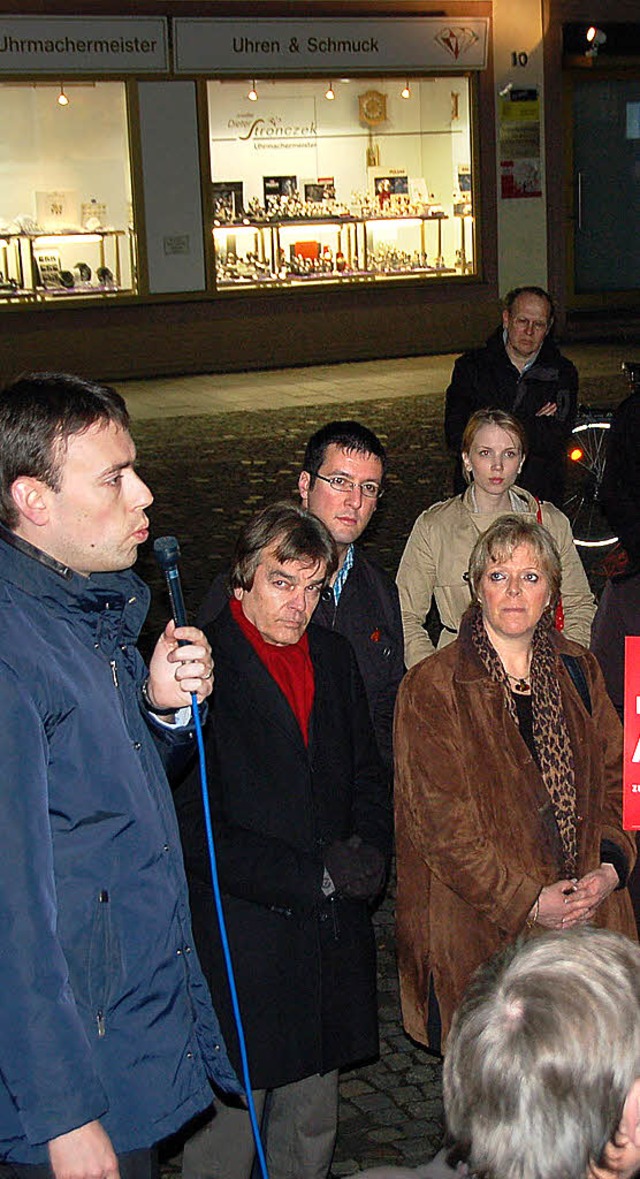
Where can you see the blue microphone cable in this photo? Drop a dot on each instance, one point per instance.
(167, 552)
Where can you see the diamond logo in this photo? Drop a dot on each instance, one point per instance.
(456, 39)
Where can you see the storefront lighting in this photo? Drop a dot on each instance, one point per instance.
(253, 93)
(62, 98)
(225, 230)
(406, 92)
(596, 38)
(330, 92)
(55, 238)
(389, 221)
(327, 226)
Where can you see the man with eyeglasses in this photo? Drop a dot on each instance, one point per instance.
(341, 483)
(520, 370)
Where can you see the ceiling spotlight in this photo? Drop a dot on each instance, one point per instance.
(406, 92)
(330, 92)
(253, 93)
(596, 38)
(62, 98)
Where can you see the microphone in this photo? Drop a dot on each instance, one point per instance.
(166, 551)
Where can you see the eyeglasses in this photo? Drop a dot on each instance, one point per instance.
(346, 486)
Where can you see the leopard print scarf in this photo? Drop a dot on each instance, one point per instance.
(550, 731)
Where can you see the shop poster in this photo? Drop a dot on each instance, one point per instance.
(631, 756)
(520, 169)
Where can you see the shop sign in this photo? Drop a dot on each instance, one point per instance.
(326, 47)
(63, 45)
(631, 762)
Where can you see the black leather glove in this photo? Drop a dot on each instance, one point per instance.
(357, 869)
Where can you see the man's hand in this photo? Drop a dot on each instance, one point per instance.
(357, 869)
(85, 1153)
(548, 410)
(175, 672)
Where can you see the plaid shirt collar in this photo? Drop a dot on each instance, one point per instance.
(342, 575)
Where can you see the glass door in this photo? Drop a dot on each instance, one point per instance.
(606, 185)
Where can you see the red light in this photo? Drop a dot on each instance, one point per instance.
(576, 454)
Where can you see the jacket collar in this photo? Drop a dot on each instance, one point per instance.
(252, 678)
(529, 501)
(469, 666)
(30, 550)
(66, 593)
(546, 358)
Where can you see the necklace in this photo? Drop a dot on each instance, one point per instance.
(520, 684)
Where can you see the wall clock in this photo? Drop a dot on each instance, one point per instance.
(373, 108)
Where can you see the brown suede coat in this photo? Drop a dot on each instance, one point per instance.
(475, 833)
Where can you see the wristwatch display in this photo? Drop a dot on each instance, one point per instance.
(353, 190)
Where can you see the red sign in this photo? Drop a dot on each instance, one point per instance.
(631, 757)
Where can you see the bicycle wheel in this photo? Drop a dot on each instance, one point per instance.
(587, 456)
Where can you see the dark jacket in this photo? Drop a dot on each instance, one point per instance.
(305, 966)
(621, 478)
(368, 615)
(104, 1013)
(617, 616)
(476, 838)
(486, 377)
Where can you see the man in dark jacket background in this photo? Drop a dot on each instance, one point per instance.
(621, 477)
(107, 1034)
(341, 482)
(302, 822)
(520, 370)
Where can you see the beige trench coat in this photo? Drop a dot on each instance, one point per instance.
(436, 558)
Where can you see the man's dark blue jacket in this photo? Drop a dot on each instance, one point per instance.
(104, 1012)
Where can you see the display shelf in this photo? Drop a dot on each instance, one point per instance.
(344, 248)
(59, 266)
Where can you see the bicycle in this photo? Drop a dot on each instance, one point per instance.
(587, 456)
(585, 470)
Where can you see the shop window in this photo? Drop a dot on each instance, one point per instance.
(357, 180)
(65, 192)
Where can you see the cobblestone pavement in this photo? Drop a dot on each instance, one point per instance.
(390, 1110)
(208, 474)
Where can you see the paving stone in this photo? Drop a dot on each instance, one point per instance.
(353, 1087)
(385, 1134)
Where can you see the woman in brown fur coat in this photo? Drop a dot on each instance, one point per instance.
(508, 783)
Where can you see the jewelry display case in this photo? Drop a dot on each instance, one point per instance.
(344, 249)
(47, 266)
(66, 214)
(339, 185)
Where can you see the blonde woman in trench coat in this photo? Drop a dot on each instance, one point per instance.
(436, 556)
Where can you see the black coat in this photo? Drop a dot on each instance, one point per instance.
(617, 616)
(485, 377)
(368, 615)
(621, 481)
(305, 966)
